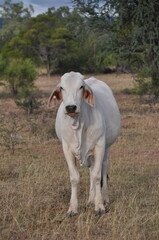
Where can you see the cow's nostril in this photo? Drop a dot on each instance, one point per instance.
(71, 108)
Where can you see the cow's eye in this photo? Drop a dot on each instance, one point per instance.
(61, 88)
(81, 87)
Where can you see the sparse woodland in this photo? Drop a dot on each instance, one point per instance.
(93, 37)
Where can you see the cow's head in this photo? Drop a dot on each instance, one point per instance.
(72, 90)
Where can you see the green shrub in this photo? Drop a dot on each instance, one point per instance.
(20, 73)
(130, 91)
(110, 61)
(143, 82)
(2, 69)
(2, 65)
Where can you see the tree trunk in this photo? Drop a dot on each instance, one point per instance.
(48, 71)
(155, 82)
(48, 66)
(14, 90)
(155, 74)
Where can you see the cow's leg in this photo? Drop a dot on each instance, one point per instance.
(96, 174)
(104, 183)
(74, 179)
(92, 188)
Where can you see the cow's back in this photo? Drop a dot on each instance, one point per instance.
(107, 106)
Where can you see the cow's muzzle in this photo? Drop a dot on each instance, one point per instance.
(71, 110)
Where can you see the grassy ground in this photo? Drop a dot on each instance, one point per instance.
(34, 180)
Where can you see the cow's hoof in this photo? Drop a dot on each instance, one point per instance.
(107, 208)
(106, 205)
(100, 212)
(71, 214)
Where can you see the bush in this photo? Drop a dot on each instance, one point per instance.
(20, 73)
(2, 68)
(110, 61)
(143, 82)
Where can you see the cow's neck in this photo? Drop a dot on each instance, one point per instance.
(79, 126)
(75, 122)
(81, 120)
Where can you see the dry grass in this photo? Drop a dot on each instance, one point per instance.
(34, 182)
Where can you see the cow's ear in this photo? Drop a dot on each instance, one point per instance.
(88, 96)
(55, 96)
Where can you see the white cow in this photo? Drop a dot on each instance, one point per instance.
(87, 123)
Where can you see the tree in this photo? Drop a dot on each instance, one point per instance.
(15, 12)
(97, 13)
(43, 38)
(142, 17)
(95, 38)
(14, 16)
(135, 34)
(20, 74)
(147, 32)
